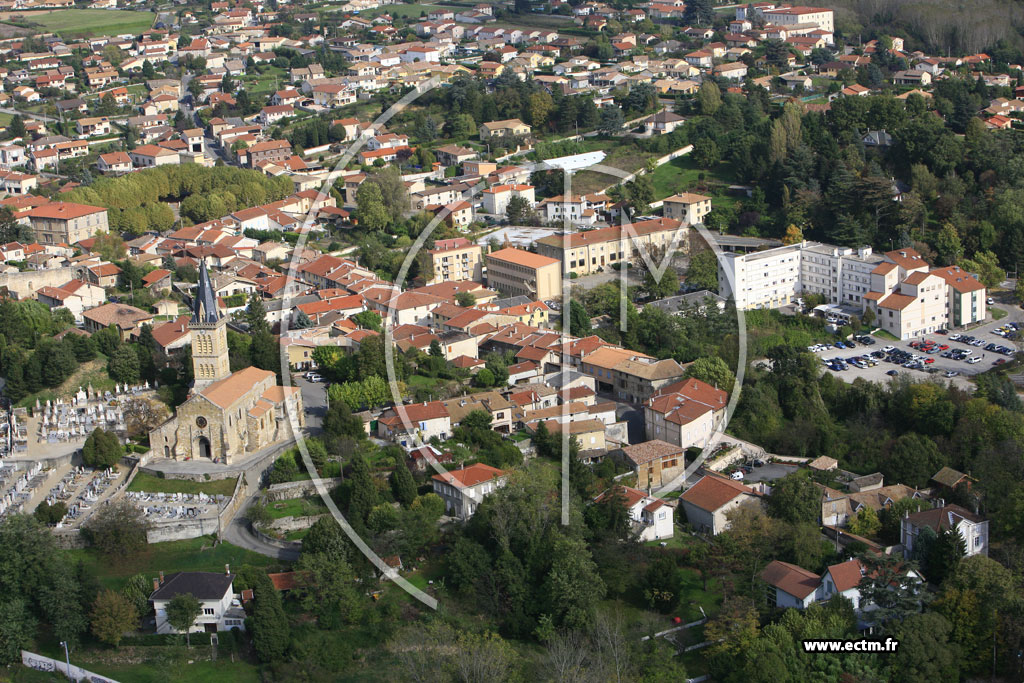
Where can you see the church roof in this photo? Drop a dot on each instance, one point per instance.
(204, 307)
(223, 393)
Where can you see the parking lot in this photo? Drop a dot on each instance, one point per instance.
(947, 357)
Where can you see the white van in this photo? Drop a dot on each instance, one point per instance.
(737, 475)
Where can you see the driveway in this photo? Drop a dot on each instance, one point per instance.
(769, 472)
(314, 401)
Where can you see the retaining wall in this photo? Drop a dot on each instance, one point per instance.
(297, 489)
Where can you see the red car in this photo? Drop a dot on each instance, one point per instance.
(943, 347)
(929, 360)
(998, 361)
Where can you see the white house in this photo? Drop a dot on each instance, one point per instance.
(709, 501)
(972, 529)
(464, 489)
(651, 517)
(216, 598)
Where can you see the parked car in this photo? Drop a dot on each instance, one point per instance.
(737, 475)
(892, 373)
(313, 377)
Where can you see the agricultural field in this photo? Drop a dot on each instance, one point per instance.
(84, 23)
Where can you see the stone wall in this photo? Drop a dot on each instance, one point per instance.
(24, 285)
(719, 463)
(297, 489)
(181, 530)
(286, 524)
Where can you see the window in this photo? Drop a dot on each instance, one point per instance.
(208, 611)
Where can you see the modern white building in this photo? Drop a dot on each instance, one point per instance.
(907, 297)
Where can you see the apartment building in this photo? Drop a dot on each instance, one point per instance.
(821, 17)
(67, 222)
(591, 251)
(523, 273)
(967, 302)
(761, 279)
(456, 259)
(687, 207)
(496, 198)
(629, 375)
(582, 209)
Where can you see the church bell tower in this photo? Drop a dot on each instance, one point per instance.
(209, 335)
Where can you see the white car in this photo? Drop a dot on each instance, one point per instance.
(313, 377)
(888, 349)
(974, 359)
(990, 301)
(737, 475)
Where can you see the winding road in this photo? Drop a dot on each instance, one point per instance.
(240, 533)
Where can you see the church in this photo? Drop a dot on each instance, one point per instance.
(228, 415)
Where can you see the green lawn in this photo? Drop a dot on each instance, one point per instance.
(626, 157)
(82, 23)
(153, 484)
(185, 669)
(296, 507)
(997, 313)
(681, 175)
(194, 554)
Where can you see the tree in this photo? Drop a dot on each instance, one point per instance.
(662, 584)
(102, 449)
(113, 615)
(118, 529)
(465, 299)
(703, 271)
(712, 370)
(12, 230)
(925, 653)
(865, 523)
(402, 484)
(795, 499)
(612, 120)
(660, 287)
(51, 514)
(371, 212)
(182, 612)
(706, 153)
(141, 415)
(887, 583)
(123, 366)
(733, 630)
(579, 319)
(483, 378)
(709, 97)
(137, 591)
(369, 320)
(329, 590)
(17, 627)
(302, 321)
(793, 235)
(699, 12)
(985, 265)
(519, 212)
(269, 622)
(573, 586)
(16, 129)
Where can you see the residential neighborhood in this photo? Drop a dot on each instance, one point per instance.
(531, 340)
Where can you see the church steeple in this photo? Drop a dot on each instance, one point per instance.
(204, 307)
(210, 361)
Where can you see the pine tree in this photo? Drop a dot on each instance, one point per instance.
(402, 484)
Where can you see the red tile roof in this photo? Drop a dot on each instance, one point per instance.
(790, 578)
(470, 476)
(711, 493)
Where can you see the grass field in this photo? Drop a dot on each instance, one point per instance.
(151, 484)
(82, 23)
(681, 175)
(194, 554)
(627, 157)
(296, 507)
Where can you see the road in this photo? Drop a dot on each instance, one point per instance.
(240, 533)
(27, 115)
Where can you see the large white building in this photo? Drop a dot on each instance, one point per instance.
(907, 297)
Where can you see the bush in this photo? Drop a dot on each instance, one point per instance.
(102, 449)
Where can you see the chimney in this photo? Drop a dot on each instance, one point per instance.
(227, 568)
(156, 584)
(161, 578)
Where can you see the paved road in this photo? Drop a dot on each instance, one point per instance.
(314, 400)
(26, 115)
(239, 533)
